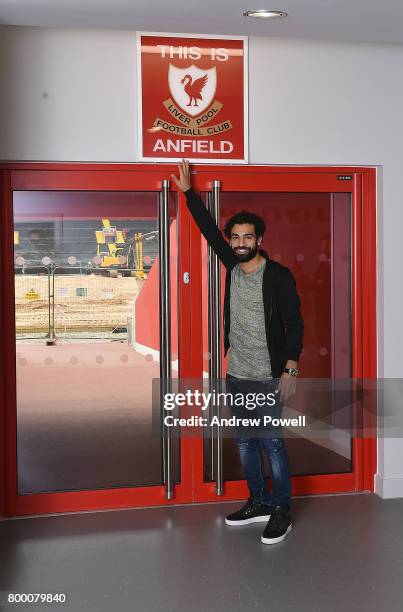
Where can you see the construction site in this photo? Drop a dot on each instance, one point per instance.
(85, 294)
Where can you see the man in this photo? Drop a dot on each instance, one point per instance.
(263, 333)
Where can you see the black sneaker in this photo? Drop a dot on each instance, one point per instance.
(278, 527)
(251, 512)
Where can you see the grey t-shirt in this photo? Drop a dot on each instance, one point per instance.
(248, 354)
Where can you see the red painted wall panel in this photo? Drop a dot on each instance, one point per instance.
(146, 308)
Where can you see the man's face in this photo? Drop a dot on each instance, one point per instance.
(244, 241)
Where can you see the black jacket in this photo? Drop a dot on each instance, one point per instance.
(283, 321)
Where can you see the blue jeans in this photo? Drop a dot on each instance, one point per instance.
(252, 443)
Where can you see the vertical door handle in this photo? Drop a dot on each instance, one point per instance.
(215, 343)
(165, 330)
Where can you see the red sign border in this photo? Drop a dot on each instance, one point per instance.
(140, 156)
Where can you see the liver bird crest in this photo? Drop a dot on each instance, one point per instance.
(194, 88)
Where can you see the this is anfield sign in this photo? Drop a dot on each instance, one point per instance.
(192, 98)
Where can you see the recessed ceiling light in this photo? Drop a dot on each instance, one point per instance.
(264, 14)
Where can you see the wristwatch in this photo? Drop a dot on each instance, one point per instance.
(291, 371)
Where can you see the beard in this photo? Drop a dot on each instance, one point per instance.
(247, 254)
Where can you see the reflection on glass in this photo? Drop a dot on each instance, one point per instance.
(87, 334)
(310, 234)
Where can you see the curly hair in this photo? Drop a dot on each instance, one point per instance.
(245, 217)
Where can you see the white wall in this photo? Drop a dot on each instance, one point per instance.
(89, 79)
(310, 103)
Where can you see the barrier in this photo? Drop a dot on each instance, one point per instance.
(73, 302)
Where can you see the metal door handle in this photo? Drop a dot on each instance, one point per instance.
(165, 330)
(214, 319)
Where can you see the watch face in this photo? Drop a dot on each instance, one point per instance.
(293, 371)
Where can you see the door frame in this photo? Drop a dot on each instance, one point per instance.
(149, 177)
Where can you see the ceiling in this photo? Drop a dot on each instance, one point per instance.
(342, 20)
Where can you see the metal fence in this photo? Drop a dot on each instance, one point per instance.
(74, 302)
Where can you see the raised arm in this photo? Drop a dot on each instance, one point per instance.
(203, 218)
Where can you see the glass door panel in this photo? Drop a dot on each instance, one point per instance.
(310, 233)
(87, 339)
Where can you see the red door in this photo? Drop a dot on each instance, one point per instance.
(320, 223)
(88, 254)
(92, 249)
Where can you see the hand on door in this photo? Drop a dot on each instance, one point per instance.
(183, 183)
